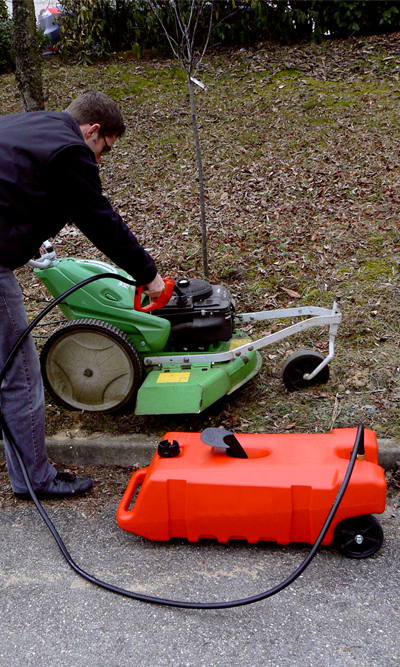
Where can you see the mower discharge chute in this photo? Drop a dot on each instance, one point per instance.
(178, 359)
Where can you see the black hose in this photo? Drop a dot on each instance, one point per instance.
(140, 596)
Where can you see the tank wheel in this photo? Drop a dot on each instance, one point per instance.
(359, 536)
(300, 363)
(91, 365)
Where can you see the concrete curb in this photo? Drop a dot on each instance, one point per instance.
(125, 450)
(138, 449)
(128, 451)
(389, 454)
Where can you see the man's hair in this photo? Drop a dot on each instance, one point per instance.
(94, 107)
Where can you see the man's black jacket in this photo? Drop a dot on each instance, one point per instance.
(48, 176)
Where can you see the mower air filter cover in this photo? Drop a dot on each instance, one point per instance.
(281, 493)
(195, 288)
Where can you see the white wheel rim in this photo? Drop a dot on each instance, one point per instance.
(89, 370)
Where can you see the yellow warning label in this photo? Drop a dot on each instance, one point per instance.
(174, 377)
(237, 342)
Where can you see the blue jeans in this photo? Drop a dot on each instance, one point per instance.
(21, 393)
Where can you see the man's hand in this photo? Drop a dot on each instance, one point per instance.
(155, 288)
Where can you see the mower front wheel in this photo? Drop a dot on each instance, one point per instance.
(91, 365)
(300, 363)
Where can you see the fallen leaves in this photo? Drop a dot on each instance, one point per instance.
(302, 202)
(290, 292)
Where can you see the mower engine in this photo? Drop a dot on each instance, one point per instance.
(200, 314)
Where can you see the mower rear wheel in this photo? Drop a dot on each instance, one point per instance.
(359, 536)
(91, 365)
(300, 363)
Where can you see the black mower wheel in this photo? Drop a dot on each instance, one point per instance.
(358, 537)
(91, 365)
(300, 363)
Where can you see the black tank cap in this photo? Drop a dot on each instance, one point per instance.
(168, 450)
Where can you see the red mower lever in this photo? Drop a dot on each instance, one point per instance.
(156, 302)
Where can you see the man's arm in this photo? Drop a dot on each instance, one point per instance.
(83, 202)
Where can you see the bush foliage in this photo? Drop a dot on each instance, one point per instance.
(6, 56)
(99, 27)
(95, 28)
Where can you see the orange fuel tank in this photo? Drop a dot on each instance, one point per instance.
(281, 492)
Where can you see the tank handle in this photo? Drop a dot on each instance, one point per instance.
(125, 514)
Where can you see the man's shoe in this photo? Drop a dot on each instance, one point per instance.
(63, 485)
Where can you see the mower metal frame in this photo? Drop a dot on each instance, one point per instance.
(319, 317)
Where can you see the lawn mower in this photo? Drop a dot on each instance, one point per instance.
(174, 355)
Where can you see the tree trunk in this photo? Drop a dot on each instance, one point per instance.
(201, 182)
(28, 71)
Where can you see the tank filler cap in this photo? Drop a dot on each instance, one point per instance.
(168, 450)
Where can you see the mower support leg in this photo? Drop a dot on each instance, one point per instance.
(325, 362)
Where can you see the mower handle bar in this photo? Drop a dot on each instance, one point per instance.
(156, 302)
(46, 260)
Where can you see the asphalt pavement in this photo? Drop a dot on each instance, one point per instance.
(341, 612)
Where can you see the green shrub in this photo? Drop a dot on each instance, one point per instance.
(365, 17)
(6, 56)
(94, 28)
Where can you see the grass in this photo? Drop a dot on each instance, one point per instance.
(300, 149)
